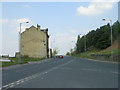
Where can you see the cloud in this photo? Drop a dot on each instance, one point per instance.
(96, 7)
(73, 31)
(64, 41)
(3, 21)
(10, 30)
(0, 42)
(22, 20)
(14, 24)
(26, 6)
(9, 45)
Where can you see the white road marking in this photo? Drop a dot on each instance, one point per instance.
(21, 70)
(102, 61)
(33, 76)
(115, 72)
(91, 70)
(101, 71)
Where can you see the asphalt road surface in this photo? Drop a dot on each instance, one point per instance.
(68, 72)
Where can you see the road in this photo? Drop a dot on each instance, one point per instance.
(68, 72)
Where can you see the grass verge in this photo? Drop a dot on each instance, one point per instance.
(89, 54)
(14, 61)
(84, 55)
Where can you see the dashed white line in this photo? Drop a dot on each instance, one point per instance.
(33, 76)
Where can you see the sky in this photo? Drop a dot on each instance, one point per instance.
(64, 20)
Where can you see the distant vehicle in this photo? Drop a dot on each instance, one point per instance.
(59, 56)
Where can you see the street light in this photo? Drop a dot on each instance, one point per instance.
(111, 34)
(19, 60)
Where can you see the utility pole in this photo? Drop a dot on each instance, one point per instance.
(19, 59)
(110, 21)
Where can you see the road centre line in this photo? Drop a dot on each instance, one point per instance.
(33, 76)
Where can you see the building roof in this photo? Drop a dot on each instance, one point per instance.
(38, 26)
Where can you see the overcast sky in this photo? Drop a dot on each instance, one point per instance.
(64, 20)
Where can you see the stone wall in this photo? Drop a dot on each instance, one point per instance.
(105, 57)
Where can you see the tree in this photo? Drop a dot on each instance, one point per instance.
(55, 51)
(98, 39)
(78, 44)
(68, 53)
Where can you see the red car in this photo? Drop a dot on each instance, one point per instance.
(60, 56)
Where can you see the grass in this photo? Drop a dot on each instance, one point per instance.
(84, 55)
(88, 54)
(14, 61)
(109, 52)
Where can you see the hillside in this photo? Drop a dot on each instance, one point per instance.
(105, 54)
(97, 43)
(99, 39)
(115, 46)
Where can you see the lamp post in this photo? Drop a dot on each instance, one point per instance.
(19, 59)
(110, 35)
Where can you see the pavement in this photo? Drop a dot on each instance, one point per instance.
(69, 72)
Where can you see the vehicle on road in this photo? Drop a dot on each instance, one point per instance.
(59, 56)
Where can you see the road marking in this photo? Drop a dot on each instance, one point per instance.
(33, 76)
(102, 61)
(21, 70)
(101, 71)
(90, 70)
(115, 72)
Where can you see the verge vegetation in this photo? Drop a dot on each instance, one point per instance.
(14, 61)
(97, 43)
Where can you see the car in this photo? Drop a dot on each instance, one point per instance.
(59, 56)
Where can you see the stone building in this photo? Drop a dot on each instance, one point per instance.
(34, 42)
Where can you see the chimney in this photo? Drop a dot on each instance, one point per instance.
(38, 27)
(46, 29)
